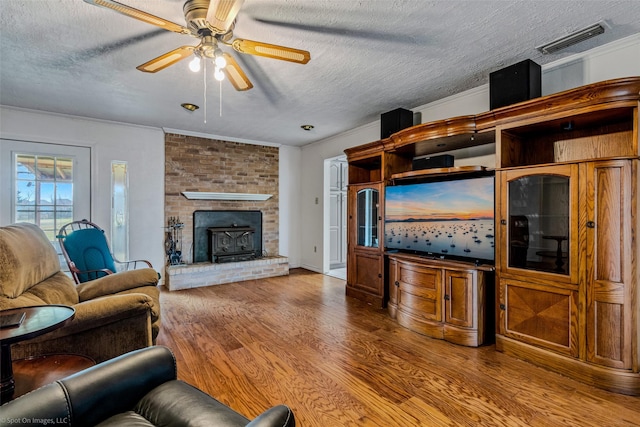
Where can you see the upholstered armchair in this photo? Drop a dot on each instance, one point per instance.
(136, 389)
(113, 315)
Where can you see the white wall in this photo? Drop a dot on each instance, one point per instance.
(289, 193)
(618, 59)
(312, 187)
(141, 147)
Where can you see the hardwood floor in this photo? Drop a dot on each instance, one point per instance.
(335, 361)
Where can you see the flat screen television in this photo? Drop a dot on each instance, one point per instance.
(448, 219)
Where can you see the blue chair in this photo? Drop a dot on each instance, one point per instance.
(86, 250)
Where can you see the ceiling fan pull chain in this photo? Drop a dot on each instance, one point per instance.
(204, 94)
(220, 82)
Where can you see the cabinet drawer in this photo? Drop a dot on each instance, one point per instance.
(428, 278)
(427, 308)
(419, 291)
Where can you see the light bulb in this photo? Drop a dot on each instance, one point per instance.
(219, 59)
(219, 75)
(194, 65)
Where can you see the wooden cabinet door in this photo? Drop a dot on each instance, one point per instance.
(609, 273)
(365, 210)
(541, 315)
(538, 222)
(365, 267)
(459, 298)
(368, 273)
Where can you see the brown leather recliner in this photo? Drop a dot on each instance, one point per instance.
(114, 314)
(137, 389)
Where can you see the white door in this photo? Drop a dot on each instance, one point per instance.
(45, 184)
(338, 214)
(335, 205)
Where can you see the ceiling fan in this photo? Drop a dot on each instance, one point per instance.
(213, 22)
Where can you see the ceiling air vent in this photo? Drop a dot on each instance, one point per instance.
(571, 39)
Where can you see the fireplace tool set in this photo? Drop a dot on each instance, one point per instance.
(173, 241)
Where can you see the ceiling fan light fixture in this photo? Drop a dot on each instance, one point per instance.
(218, 58)
(218, 74)
(194, 65)
(189, 107)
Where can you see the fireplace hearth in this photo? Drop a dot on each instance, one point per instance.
(223, 236)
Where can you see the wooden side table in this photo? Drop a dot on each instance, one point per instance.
(33, 373)
(38, 321)
(559, 261)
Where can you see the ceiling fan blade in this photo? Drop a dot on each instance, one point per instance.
(142, 16)
(221, 14)
(169, 58)
(271, 51)
(234, 73)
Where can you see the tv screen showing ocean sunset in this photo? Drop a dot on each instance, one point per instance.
(446, 217)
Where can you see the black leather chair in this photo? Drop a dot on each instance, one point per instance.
(138, 389)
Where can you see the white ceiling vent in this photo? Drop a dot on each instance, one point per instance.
(573, 38)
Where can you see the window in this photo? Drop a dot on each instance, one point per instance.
(44, 191)
(119, 210)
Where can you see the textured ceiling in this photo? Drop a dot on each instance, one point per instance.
(367, 57)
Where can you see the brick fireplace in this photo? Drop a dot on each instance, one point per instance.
(195, 164)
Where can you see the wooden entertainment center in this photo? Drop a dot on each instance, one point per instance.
(563, 292)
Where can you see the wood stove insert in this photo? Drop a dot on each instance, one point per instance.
(231, 244)
(203, 220)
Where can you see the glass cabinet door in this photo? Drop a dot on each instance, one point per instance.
(539, 225)
(367, 217)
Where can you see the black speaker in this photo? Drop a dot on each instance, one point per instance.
(394, 121)
(441, 161)
(516, 83)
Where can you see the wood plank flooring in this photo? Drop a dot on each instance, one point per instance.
(336, 361)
